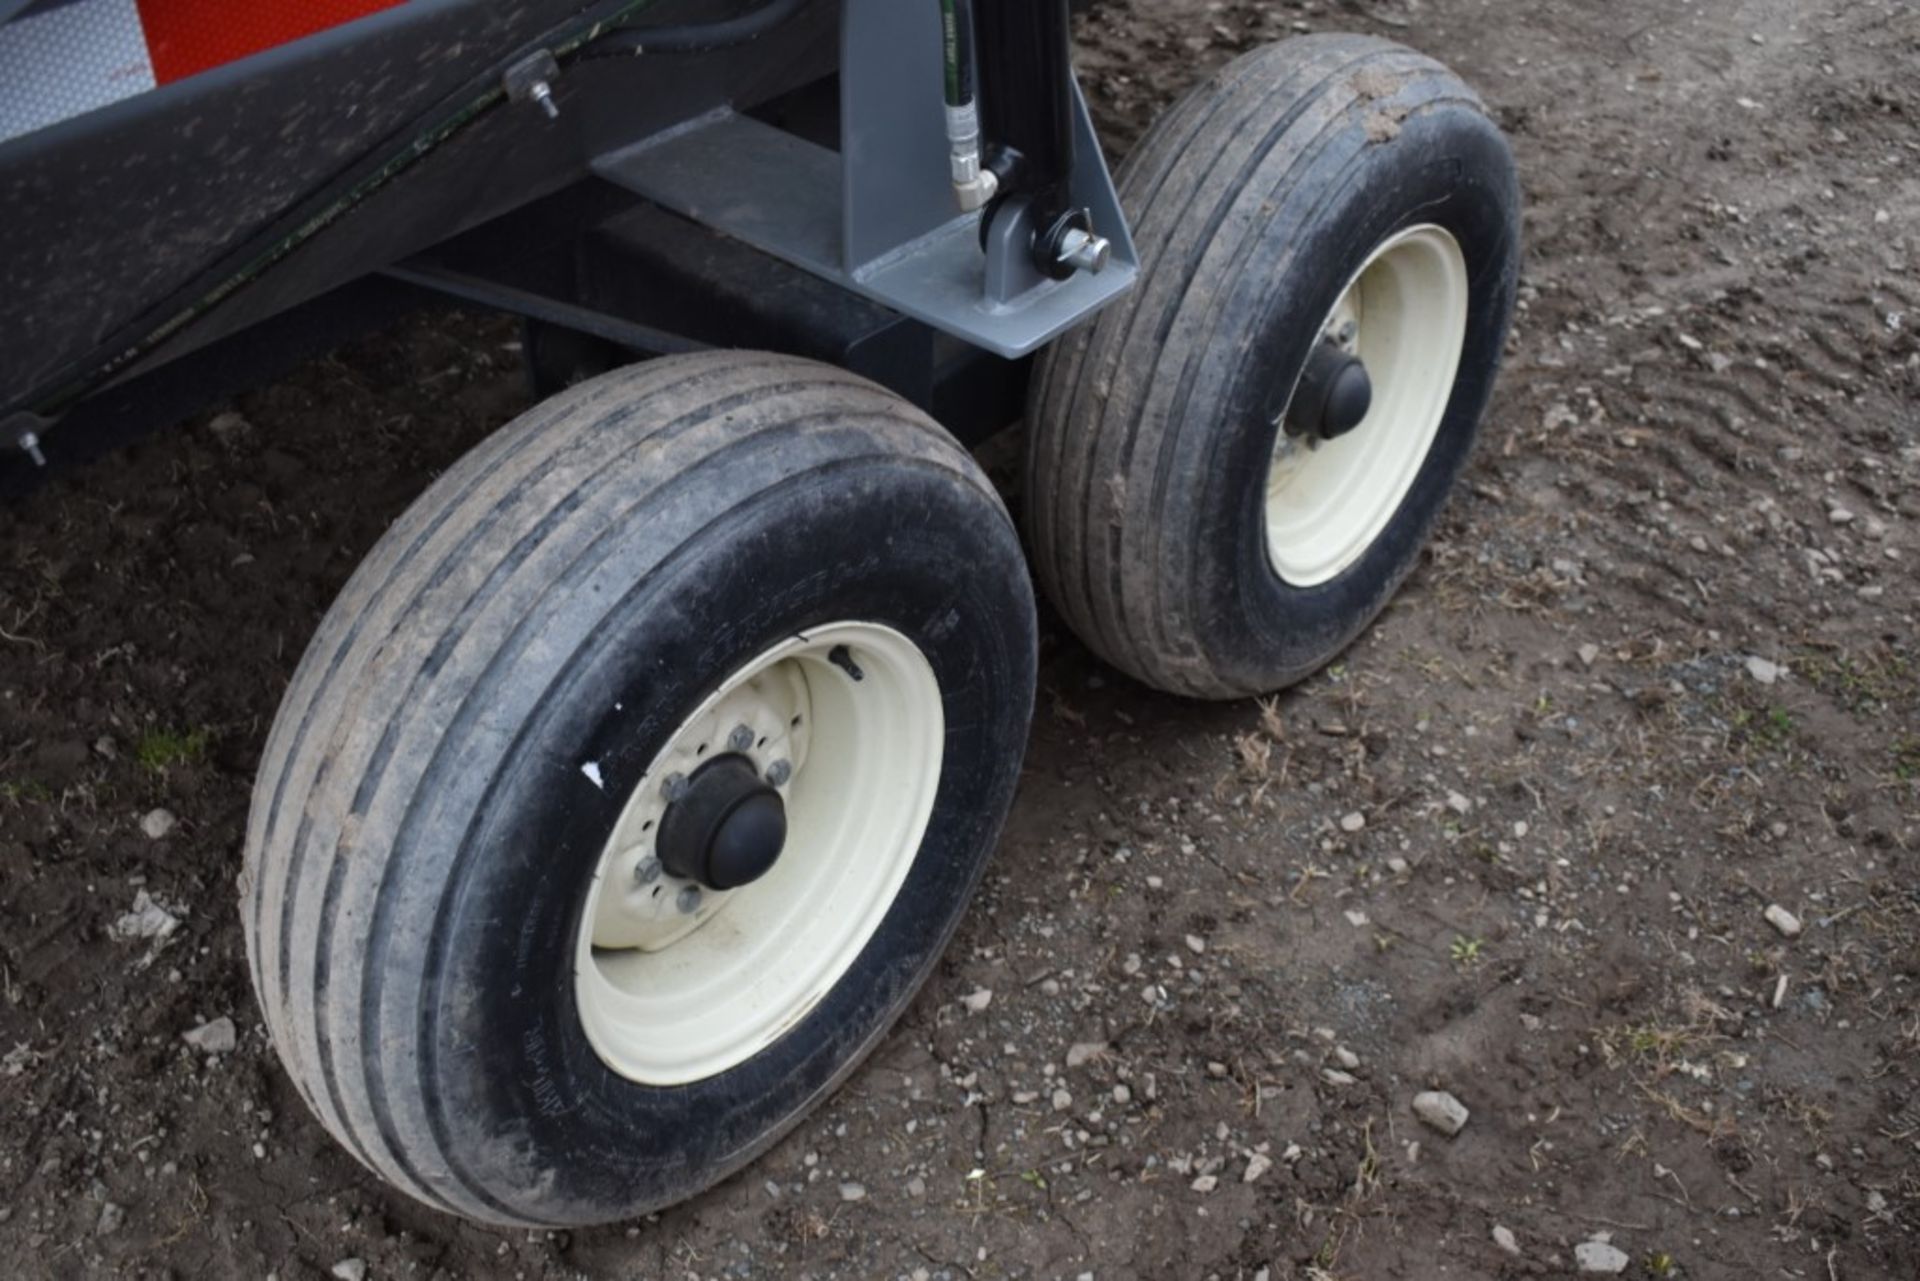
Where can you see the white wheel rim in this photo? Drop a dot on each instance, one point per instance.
(670, 992)
(1405, 315)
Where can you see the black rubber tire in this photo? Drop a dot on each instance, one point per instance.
(1254, 201)
(422, 836)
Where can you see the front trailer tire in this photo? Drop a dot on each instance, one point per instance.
(465, 728)
(1153, 430)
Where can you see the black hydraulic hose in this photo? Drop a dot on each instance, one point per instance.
(956, 22)
(704, 37)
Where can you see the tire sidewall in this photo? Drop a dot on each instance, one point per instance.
(1448, 167)
(523, 1100)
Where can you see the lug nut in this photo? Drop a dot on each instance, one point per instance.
(648, 870)
(779, 772)
(689, 901)
(673, 788)
(741, 738)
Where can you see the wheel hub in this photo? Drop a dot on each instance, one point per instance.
(726, 829)
(1367, 408)
(1335, 394)
(759, 853)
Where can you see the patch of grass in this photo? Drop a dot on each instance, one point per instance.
(1768, 729)
(14, 791)
(1865, 684)
(1466, 951)
(160, 749)
(1906, 757)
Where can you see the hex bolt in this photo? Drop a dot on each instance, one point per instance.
(542, 93)
(647, 871)
(673, 787)
(1347, 333)
(689, 900)
(779, 772)
(741, 738)
(30, 446)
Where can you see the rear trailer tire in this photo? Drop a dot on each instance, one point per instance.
(712, 618)
(1181, 521)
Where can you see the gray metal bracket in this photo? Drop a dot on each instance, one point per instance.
(879, 215)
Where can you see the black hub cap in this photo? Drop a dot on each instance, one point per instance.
(1334, 395)
(726, 829)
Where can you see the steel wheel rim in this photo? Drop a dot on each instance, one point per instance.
(670, 995)
(1328, 502)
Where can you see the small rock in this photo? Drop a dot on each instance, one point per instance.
(158, 824)
(1504, 1238)
(216, 1037)
(112, 1218)
(1357, 919)
(1781, 919)
(1840, 516)
(147, 920)
(853, 1192)
(1458, 803)
(916, 1187)
(1347, 1058)
(977, 1002)
(1589, 655)
(1062, 1100)
(1196, 944)
(1354, 822)
(1763, 671)
(1205, 1183)
(1601, 1257)
(350, 1270)
(1441, 1111)
(1334, 1076)
(1257, 1164)
(1398, 866)
(229, 426)
(1085, 1052)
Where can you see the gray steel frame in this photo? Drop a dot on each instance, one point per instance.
(879, 216)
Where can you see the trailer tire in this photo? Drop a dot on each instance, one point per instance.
(1177, 521)
(448, 803)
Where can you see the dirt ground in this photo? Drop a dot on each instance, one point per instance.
(1659, 673)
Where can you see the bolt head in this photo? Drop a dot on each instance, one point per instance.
(779, 772)
(689, 900)
(673, 787)
(648, 871)
(741, 738)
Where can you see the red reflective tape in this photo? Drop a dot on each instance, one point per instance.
(187, 37)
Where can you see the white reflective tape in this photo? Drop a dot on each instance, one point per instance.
(67, 60)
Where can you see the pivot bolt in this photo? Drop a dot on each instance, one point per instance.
(1084, 251)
